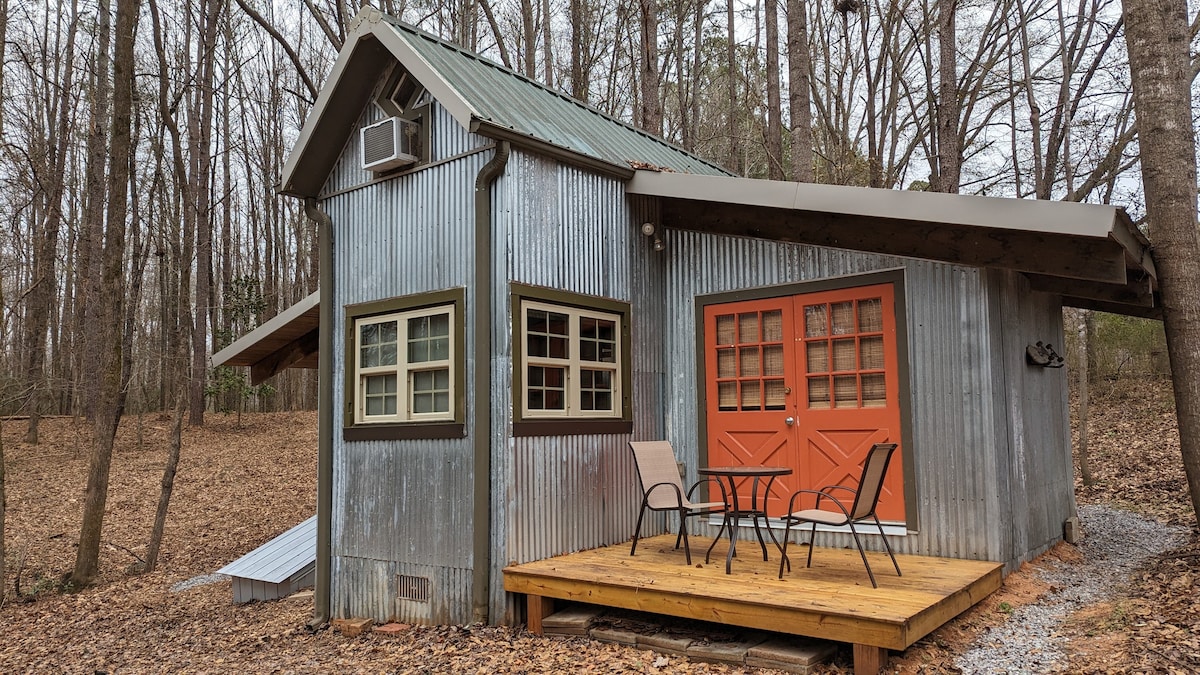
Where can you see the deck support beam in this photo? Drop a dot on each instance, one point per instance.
(868, 659)
(537, 608)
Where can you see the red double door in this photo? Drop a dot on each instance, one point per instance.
(807, 381)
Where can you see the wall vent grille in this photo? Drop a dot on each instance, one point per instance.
(413, 588)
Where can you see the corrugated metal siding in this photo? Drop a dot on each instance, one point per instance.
(962, 413)
(448, 140)
(399, 505)
(569, 229)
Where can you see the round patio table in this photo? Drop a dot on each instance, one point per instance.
(756, 511)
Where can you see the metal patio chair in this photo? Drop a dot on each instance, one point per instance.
(866, 498)
(662, 490)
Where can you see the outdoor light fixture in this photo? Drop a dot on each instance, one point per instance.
(649, 230)
(1043, 355)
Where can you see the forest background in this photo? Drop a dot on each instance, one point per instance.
(1042, 91)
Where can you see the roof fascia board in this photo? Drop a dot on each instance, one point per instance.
(1069, 218)
(1112, 308)
(1092, 259)
(1136, 293)
(307, 130)
(499, 133)
(423, 72)
(292, 314)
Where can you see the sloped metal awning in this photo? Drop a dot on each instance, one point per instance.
(289, 340)
(1090, 254)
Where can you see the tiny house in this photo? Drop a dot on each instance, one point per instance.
(514, 286)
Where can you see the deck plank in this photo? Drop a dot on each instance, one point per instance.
(832, 600)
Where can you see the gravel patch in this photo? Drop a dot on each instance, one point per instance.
(202, 580)
(1115, 543)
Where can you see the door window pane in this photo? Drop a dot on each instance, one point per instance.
(843, 354)
(871, 352)
(845, 391)
(726, 335)
(870, 315)
(772, 326)
(773, 360)
(842, 315)
(818, 392)
(818, 356)
(750, 366)
(751, 395)
(748, 327)
(816, 323)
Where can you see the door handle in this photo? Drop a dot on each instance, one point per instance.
(790, 421)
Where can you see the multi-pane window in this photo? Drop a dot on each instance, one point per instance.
(843, 345)
(750, 365)
(571, 360)
(404, 366)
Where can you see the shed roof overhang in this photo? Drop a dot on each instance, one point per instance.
(1090, 254)
(288, 340)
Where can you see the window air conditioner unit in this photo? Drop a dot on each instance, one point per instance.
(389, 144)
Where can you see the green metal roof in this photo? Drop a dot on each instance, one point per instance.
(502, 99)
(483, 96)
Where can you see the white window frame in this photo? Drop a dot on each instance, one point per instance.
(572, 364)
(404, 370)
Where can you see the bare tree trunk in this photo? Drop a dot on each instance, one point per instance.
(949, 161)
(650, 116)
(799, 91)
(168, 485)
(202, 161)
(578, 83)
(529, 39)
(3, 496)
(548, 43)
(111, 401)
(1157, 37)
(731, 162)
(774, 134)
(1087, 327)
(89, 268)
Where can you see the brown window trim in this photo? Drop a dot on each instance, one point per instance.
(574, 426)
(455, 428)
(394, 432)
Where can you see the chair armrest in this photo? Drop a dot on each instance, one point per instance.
(724, 496)
(820, 494)
(678, 494)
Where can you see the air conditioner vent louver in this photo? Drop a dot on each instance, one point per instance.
(388, 144)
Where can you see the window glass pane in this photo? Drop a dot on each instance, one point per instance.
(585, 378)
(586, 401)
(845, 391)
(726, 363)
(558, 348)
(772, 326)
(422, 403)
(587, 328)
(368, 356)
(587, 350)
(871, 352)
(874, 392)
(870, 315)
(537, 345)
(418, 350)
(387, 354)
(818, 357)
(815, 322)
(842, 314)
(439, 325)
(439, 349)
(441, 402)
(535, 321)
(725, 330)
(379, 396)
(418, 328)
(555, 400)
(775, 394)
(818, 392)
(727, 395)
(748, 328)
(751, 396)
(545, 387)
(603, 400)
(773, 360)
(558, 324)
(843, 354)
(750, 366)
(368, 334)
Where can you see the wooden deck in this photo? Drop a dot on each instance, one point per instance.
(832, 600)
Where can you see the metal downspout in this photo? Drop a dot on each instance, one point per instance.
(324, 412)
(482, 410)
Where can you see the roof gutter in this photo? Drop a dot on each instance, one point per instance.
(482, 305)
(324, 413)
(505, 134)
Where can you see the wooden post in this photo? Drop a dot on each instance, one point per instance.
(537, 607)
(869, 660)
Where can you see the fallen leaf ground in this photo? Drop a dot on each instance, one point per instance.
(239, 487)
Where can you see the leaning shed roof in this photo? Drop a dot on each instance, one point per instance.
(1090, 254)
(289, 340)
(280, 558)
(482, 96)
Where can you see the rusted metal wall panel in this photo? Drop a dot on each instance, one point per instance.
(569, 229)
(402, 503)
(981, 422)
